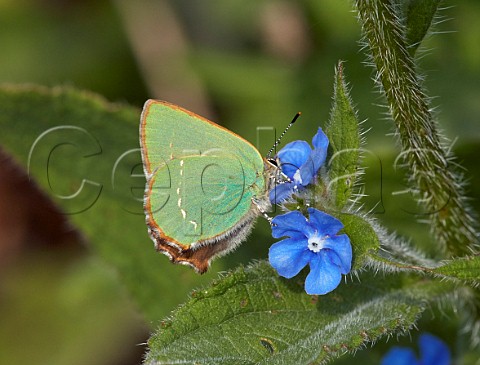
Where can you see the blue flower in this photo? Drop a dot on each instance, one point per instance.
(300, 164)
(314, 242)
(433, 351)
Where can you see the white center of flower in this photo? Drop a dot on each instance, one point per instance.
(316, 243)
(297, 178)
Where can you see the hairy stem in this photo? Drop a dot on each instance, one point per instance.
(439, 188)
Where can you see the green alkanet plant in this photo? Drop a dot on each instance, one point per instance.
(289, 326)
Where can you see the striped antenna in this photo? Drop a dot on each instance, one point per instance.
(277, 142)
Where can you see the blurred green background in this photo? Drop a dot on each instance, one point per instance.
(243, 64)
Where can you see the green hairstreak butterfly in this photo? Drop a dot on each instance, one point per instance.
(205, 184)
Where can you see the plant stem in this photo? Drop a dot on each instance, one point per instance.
(439, 188)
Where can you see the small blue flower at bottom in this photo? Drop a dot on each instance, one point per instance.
(433, 351)
(314, 242)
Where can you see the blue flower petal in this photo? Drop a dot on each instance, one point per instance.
(292, 224)
(319, 153)
(433, 351)
(334, 259)
(341, 247)
(281, 192)
(323, 222)
(320, 140)
(308, 171)
(399, 356)
(289, 256)
(324, 275)
(293, 156)
(318, 157)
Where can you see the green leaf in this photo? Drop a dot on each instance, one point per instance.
(252, 316)
(343, 133)
(84, 153)
(465, 268)
(417, 16)
(404, 258)
(363, 238)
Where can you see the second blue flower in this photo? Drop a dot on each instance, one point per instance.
(314, 242)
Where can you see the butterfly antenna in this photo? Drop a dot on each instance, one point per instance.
(277, 142)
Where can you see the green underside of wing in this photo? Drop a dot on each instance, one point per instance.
(204, 177)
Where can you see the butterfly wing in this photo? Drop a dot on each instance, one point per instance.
(201, 179)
